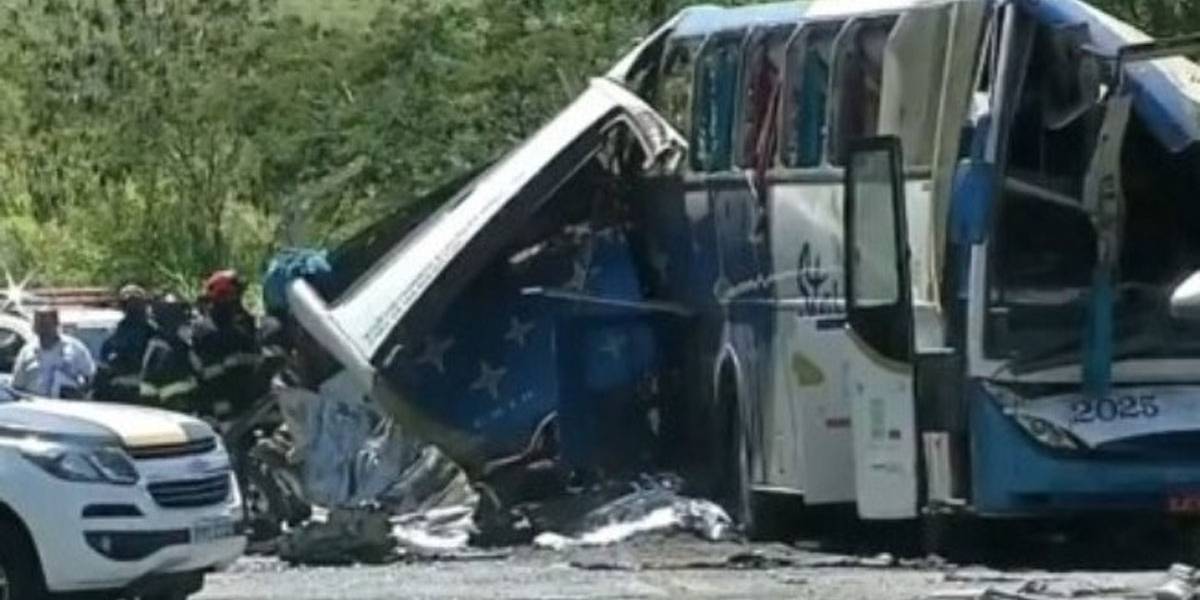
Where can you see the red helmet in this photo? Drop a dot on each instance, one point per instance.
(223, 286)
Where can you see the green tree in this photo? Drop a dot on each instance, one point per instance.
(157, 139)
(1161, 18)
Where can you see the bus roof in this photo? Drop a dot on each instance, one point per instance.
(699, 21)
(1165, 91)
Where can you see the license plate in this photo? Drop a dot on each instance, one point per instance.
(1187, 503)
(210, 531)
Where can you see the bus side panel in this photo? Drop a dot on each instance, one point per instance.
(681, 250)
(809, 350)
(744, 262)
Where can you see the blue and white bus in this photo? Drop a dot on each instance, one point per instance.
(911, 255)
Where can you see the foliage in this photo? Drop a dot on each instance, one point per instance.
(157, 139)
(1162, 18)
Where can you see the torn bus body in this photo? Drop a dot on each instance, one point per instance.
(523, 271)
(914, 255)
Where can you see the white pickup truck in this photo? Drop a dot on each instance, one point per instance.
(125, 501)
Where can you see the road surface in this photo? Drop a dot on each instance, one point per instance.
(678, 567)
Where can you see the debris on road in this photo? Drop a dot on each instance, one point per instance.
(742, 561)
(348, 454)
(1060, 587)
(436, 530)
(977, 575)
(1183, 583)
(657, 508)
(376, 493)
(883, 560)
(340, 537)
(378, 496)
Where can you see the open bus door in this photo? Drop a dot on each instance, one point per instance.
(879, 366)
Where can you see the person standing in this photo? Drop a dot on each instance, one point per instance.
(167, 377)
(225, 349)
(56, 365)
(118, 377)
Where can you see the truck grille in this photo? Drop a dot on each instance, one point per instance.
(191, 493)
(202, 446)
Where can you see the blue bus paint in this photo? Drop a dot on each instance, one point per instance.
(1014, 475)
(1171, 116)
(502, 360)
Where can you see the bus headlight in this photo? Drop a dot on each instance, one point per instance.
(1048, 433)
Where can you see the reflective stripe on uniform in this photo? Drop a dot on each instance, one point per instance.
(126, 380)
(212, 371)
(178, 388)
(148, 389)
(241, 359)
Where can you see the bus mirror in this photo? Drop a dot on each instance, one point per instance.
(1185, 300)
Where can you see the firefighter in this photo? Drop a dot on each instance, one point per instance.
(167, 377)
(225, 350)
(119, 375)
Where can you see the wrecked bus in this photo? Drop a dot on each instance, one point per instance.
(914, 255)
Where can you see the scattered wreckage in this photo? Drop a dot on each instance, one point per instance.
(340, 483)
(1180, 582)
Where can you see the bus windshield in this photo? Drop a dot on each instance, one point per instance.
(1045, 252)
(1045, 245)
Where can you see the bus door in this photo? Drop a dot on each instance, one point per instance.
(879, 375)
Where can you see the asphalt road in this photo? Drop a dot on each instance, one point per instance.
(664, 568)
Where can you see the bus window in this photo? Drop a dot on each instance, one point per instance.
(914, 79)
(808, 64)
(712, 115)
(858, 83)
(675, 93)
(760, 93)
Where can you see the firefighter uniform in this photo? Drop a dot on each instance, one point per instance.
(226, 358)
(168, 380)
(118, 378)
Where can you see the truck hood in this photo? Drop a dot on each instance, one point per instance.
(128, 426)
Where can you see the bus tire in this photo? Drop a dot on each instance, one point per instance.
(957, 538)
(734, 490)
(1187, 547)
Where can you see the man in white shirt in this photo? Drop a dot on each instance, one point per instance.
(57, 365)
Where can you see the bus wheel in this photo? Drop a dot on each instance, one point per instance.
(953, 537)
(733, 487)
(1188, 544)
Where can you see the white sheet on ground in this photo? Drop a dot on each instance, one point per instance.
(655, 509)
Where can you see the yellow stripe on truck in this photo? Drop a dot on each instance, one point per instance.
(136, 428)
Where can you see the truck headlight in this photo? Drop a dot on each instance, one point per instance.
(87, 464)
